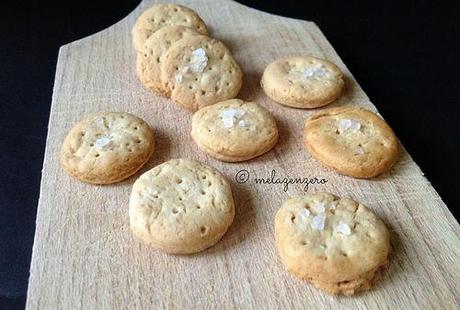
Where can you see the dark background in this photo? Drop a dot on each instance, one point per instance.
(404, 55)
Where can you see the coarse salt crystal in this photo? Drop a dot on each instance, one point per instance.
(344, 229)
(198, 61)
(308, 72)
(359, 150)
(199, 52)
(100, 121)
(103, 142)
(355, 125)
(239, 113)
(178, 78)
(318, 221)
(185, 69)
(304, 213)
(229, 116)
(302, 219)
(228, 122)
(346, 123)
(319, 207)
(242, 123)
(316, 71)
(333, 205)
(228, 113)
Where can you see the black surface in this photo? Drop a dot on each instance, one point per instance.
(404, 55)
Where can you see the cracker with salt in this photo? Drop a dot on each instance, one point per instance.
(199, 71)
(181, 206)
(234, 130)
(337, 244)
(107, 147)
(303, 81)
(352, 140)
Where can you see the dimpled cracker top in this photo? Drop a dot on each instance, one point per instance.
(200, 71)
(303, 81)
(181, 206)
(352, 140)
(107, 147)
(234, 130)
(336, 243)
(161, 15)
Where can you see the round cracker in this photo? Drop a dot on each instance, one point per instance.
(161, 15)
(107, 147)
(303, 82)
(234, 130)
(351, 140)
(181, 206)
(335, 243)
(200, 71)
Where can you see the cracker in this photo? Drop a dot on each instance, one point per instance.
(337, 244)
(161, 15)
(181, 207)
(353, 141)
(107, 147)
(234, 130)
(200, 71)
(303, 82)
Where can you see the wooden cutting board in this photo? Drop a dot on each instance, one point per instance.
(85, 257)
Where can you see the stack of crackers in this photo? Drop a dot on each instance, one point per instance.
(177, 58)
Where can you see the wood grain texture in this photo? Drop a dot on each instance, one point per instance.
(84, 256)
